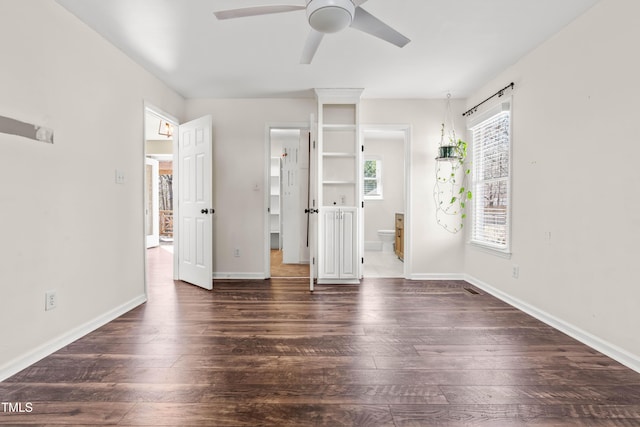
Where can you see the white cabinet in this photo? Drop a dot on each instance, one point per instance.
(338, 260)
(338, 188)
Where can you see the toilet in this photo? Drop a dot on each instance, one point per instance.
(387, 237)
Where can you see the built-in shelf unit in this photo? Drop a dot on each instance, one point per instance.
(339, 188)
(275, 218)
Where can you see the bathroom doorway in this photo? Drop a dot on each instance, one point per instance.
(385, 201)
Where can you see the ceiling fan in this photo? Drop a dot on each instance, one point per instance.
(325, 17)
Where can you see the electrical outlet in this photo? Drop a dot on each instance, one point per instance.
(515, 271)
(236, 252)
(50, 300)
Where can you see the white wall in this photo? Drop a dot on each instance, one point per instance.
(159, 147)
(66, 224)
(433, 252)
(575, 179)
(239, 162)
(239, 150)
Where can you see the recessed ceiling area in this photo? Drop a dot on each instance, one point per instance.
(456, 45)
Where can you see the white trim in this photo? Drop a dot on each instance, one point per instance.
(496, 108)
(490, 250)
(338, 281)
(618, 354)
(437, 276)
(220, 275)
(338, 96)
(18, 364)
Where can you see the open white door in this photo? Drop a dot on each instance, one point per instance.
(151, 212)
(312, 208)
(195, 203)
(291, 182)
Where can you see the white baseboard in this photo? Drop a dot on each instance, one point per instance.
(18, 364)
(630, 360)
(238, 276)
(338, 281)
(437, 276)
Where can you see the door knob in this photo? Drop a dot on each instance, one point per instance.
(206, 211)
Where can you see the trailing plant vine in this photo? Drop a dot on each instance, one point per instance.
(451, 192)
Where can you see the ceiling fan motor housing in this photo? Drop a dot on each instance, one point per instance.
(330, 16)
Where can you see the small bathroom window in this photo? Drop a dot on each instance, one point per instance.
(372, 178)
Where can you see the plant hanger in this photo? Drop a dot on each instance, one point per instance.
(450, 191)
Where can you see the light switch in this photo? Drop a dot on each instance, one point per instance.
(119, 176)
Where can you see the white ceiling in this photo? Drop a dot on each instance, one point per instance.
(457, 45)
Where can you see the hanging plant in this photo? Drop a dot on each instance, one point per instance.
(451, 192)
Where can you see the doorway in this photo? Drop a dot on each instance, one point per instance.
(159, 230)
(288, 192)
(385, 181)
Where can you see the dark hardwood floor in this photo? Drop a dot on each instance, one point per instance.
(386, 353)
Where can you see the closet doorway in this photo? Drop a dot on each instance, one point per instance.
(288, 192)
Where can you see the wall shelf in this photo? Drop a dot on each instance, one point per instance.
(275, 220)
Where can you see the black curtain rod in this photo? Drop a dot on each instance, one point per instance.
(499, 93)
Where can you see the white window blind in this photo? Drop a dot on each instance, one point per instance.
(491, 181)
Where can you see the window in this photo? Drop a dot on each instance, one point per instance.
(491, 178)
(372, 178)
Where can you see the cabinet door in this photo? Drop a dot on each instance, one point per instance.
(329, 247)
(348, 244)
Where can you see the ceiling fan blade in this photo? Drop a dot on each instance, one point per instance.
(358, 2)
(311, 46)
(255, 11)
(366, 22)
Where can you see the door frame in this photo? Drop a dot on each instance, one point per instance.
(302, 126)
(405, 129)
(152, 109)
(153, 199)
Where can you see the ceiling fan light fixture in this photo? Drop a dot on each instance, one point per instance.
(330, 16)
